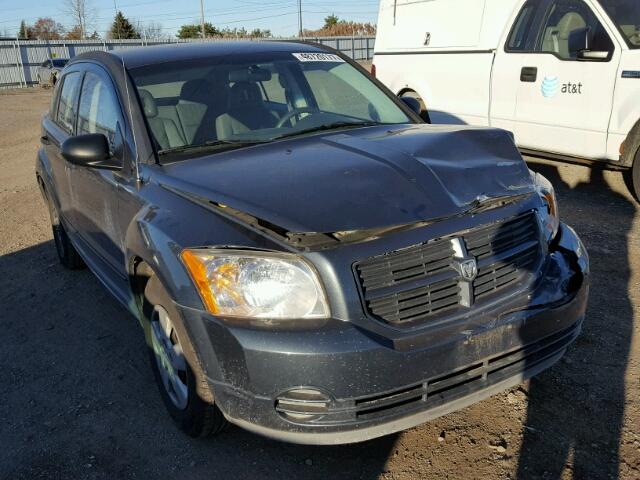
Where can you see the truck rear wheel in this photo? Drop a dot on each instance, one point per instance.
(635, 176)
(424, 113)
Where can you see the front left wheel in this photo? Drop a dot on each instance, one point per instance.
(181, 381)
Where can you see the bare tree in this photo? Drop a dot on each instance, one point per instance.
(82, 13)
(153, 31)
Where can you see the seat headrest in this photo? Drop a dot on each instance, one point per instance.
(245, 94)
(198, 90)
(148, 103)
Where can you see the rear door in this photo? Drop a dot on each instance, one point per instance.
(57, 127)
(95, 191)
(563, 104)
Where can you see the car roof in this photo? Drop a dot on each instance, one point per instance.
(157, 54)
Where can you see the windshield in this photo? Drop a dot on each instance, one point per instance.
(230, 102)
(626, 16)
(59, 62)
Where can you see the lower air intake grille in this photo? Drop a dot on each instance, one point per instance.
(462, 382)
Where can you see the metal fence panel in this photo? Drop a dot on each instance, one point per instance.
(19, 59)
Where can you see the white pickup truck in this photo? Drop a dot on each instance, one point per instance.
(562, 75)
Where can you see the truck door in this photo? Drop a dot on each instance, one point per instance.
(565, 93)
(507, 64)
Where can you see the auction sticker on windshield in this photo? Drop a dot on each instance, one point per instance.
(318, 57)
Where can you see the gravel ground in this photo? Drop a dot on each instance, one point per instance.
(78, 400)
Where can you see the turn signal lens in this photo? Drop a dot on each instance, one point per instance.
(198, 271)
(550, 217)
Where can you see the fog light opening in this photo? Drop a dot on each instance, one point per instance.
(302, 405)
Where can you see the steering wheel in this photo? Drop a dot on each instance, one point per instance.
(294, 113)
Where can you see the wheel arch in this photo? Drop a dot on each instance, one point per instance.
(632, 146)
(423, 103)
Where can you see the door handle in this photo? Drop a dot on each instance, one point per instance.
(44, 139)
(529, 74)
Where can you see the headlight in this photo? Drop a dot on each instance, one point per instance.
(549, 214)
(256, 285)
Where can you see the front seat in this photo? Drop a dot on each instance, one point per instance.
(557, 39)
(192, 107)
(164, 130)
(246, 112)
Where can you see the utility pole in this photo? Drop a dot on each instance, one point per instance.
(204, 35)
(300, 18)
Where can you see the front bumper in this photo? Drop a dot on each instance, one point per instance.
(365, 388)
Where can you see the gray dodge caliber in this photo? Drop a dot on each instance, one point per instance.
(308, 259)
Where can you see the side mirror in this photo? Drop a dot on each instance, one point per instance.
(413, 104)
(581, 46)
(91, 150)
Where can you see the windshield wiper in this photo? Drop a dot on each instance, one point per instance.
(212, 145)
(329, 126)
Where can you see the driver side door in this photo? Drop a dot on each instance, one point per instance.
(95, 192)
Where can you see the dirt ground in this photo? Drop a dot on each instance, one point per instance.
(78, 399)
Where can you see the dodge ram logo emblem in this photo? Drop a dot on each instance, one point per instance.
(469, 269)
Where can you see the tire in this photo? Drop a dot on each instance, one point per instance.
(634, 175)
(67, 253)
(180, 378)
(424, 113)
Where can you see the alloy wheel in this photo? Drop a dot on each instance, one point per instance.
(169, 357)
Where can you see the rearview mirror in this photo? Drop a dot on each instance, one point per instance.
(581, 46)
(91, 150)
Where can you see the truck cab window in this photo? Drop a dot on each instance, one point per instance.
(520, 36)
(565, 17)
(626, 15)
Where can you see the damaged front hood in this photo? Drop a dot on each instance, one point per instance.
(370, 179)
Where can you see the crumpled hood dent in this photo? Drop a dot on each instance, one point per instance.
(368, 180)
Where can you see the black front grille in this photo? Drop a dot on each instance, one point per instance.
(405, 265)
(494, 240)
(417, 303)
(408, 286)
(501, 274)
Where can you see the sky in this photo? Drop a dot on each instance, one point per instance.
(279, 16)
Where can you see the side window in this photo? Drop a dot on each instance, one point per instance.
(521, 37)
(99, 111)
(565, 17)
(66, 116)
